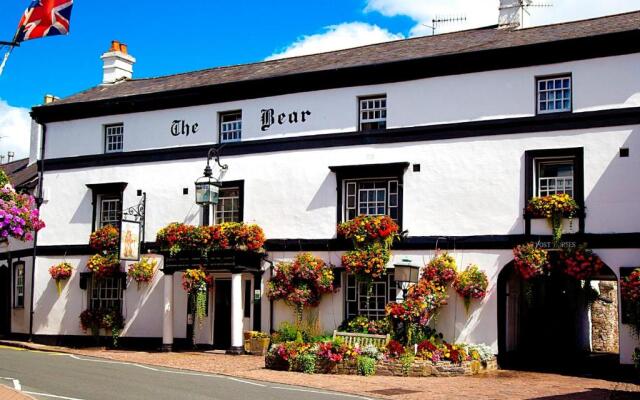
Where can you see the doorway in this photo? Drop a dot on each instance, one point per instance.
(557, 322)
(222, 315)
(5, 300)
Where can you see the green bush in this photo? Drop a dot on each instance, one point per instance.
(407, 361)
(286, 333)
(305, 362)
(366, 366)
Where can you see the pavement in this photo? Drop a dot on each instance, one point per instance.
(223, 376)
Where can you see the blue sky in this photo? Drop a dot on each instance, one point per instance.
(202, 34)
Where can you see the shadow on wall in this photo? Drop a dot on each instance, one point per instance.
(326, 194)
(68, 305)
(83, 210)
(612, 203)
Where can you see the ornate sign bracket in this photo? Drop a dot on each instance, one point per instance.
(137, 212)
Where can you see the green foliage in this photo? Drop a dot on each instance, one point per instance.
(366, 366)
(288, 333)
(406, 360)
(4, 179)
(305, 362)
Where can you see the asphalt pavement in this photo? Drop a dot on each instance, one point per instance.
(47, 376)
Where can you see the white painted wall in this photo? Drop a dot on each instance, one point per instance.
(468, 97)
(465, 187)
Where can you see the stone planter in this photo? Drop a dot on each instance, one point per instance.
(257, 346)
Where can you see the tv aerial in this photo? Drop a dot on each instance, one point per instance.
(435, 22)
(526, 4)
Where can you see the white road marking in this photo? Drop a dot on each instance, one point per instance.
(52, 395)
(247, 382)
(320, 392)
(16, 383)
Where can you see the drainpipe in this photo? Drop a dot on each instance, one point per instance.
(40, 163)
(271, 330)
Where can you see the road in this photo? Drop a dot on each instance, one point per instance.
(49, 376)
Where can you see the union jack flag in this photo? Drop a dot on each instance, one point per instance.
(44, 18)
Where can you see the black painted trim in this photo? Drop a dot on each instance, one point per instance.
(506, 126)
(582, 48)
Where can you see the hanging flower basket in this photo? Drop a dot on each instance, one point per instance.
(471, 284)
(143, 270)
(105, 240)
(441, 270)
(103, 266)
(554, 208)
(530, 261)
(367, 263)
(59, 273)
(94, 320)
(580, 263)
(365, 229)
(301, 283)
(18, 216)
(197, 283)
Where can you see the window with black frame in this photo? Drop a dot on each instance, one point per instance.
(106, 293)
(18, 285)
(369, 300)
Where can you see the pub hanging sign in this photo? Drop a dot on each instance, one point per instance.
(130, 240)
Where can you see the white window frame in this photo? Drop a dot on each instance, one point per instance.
(221, 214)
(106, 293)
(356, 292)
(104, 200)
(372, 110)
(113, 138)
(230, 131)
(556, 182)
(554, 93)
(352, 201)
(18, 284)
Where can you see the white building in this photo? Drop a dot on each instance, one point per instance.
(452, 133)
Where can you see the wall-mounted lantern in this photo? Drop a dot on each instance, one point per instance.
(208, 187)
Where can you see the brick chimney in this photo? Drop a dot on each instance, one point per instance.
(118, 64)
(510, 13)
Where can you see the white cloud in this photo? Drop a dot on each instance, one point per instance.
(15, 130)
(336, 37)
(485, 12)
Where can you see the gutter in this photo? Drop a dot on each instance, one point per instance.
(39, 200)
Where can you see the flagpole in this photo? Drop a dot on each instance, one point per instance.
(12, 44)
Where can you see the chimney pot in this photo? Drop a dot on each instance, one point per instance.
(118, 63)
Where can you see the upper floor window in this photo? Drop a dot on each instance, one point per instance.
(373, 113)
(371, 197)
(373, 189)
(110, 210)
(554, 94)
(106, 294)
(230, 126)
(18, 285)
(554, 176)
(113, 138)
(228, 207)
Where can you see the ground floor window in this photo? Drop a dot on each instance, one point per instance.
(18, 285)
(360, 301)
(106, 294)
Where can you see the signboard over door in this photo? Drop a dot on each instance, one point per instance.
(130, 241)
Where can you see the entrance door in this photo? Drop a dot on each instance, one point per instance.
(222, 315)
(5, 300)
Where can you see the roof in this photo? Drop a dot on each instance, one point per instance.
(21, 174)
(479, 49)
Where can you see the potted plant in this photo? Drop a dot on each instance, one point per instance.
(257, 343)
(105, 240)
(580, 263)
(59, 273)
(103, 266)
